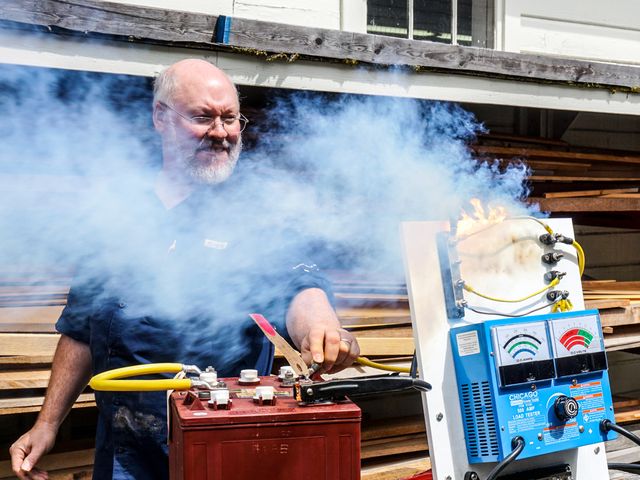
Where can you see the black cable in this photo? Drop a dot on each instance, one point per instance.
(495, 314)
(625, 467)
(518, 445)
(421, 385)
(607, 425)
(413, 370)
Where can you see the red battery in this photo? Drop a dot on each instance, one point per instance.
(274, 440)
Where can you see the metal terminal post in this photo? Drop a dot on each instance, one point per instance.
(192, 369)
(553, 274)
(547, 239)
(554, 295)
(313, 368)
(552, 258)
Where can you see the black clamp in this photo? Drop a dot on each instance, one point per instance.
(337, 390)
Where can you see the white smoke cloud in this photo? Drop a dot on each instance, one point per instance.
(78, 158)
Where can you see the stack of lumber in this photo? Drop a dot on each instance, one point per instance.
(29, 307)
(566, 178)
(619, 306)
(377, 312)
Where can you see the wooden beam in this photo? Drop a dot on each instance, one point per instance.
(540, 153)
(132, 23)
(588, 204)
(27, 344)
(17, 379)
(55, 461)
(590, 193)
(591, 178)
(279, 41)
(85, 399)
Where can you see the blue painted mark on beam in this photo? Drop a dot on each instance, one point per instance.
(223, 26)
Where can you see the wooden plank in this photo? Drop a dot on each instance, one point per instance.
(21, 361)
(28, 343)
(382, 297)
(584, 178)
(589, 193)
(395, 469)
(21, 403)
(379, 312)
(394, 446)
(610, 285)
(170, 27)
(371, 347)
(35, 314)
(622, 195)
(54, 462)
(17, 379)
(540, 153)
(589, 204)
(95, 16)
(617, 317)
(399, 426)
(606, 303)
(622, 340)
(27, 327)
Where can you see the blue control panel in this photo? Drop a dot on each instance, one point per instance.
(543, 378)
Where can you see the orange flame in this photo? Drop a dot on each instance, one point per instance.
(479, 218)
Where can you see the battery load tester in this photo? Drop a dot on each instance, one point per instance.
(543, 379)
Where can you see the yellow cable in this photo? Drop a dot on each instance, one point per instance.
(563, 305)
(380, 366)
(552, 284)
(581, 256)
(111, 379)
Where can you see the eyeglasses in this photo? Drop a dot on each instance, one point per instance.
(228, 122)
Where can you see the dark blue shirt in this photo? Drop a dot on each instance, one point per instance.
(177, 286)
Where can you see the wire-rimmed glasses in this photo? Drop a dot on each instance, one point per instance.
(228, 122)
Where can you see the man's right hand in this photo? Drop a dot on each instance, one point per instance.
(27, 450)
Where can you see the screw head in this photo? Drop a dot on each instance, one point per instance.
(581, 429)
(596, 450)
(439, 417)
(540, 436)
(310, 391)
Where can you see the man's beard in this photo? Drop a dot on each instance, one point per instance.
(215, 170)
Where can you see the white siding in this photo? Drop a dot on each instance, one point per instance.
(307, 13)
(350, 15)
(583, 29)
(211, 7)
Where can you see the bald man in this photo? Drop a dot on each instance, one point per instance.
(127, 318)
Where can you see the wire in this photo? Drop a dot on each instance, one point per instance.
(525, 217)
(112, 380)
(518, 445)
(607, 425)
(625, 467)
(380, 366)
(552, 284)
(581, 257)
(495, 314)
(562, 305)
(413, 371)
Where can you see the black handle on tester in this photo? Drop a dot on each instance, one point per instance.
(335, 390)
